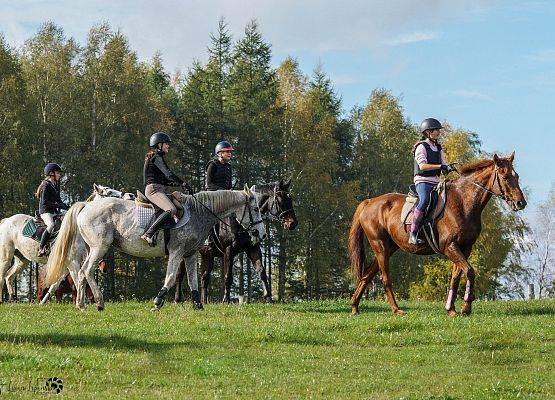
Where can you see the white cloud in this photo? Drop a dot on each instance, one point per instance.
(413, 37)
(180, 29)
(547, 55)
(472, 94)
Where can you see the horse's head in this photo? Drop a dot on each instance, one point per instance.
(279, 205)
(250, 218)
(506, 183)
(105, 191)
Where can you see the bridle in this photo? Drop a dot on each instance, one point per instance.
(501, 194)
(275, 211)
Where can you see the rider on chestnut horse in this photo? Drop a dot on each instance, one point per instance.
(429, 162)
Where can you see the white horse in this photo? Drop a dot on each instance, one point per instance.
(20, 250)
(106, 222)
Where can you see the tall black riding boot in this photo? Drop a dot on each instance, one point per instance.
(150, 233)
(44, 242)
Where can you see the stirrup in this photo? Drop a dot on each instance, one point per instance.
(416, 240)
(150, 240)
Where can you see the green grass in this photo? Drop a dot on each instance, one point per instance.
(504, 350)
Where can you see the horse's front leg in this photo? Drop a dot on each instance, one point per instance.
(456, 273)
(174, 259)
(87, 272)
(227, 262)
(459, 258)
(178, 297)
(207, 263)
(255, 255)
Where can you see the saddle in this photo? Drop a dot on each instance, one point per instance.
(434, 212)
(435, 209)
(35, 227)
(176, 198)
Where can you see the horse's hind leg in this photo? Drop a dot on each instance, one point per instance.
(18, 265)
(86, 274)
(370, 271)
(255, 255)
(456, 273)
(382, 256)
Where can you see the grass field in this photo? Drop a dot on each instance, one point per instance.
(505, 350)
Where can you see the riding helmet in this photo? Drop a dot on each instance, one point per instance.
(159, 137)
(51, 168)
(430, 123)
(223, 146)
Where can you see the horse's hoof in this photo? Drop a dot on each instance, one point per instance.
(100, 308)
(198, 306)
(153, 309)
(399, 312)
(268, 300)
(355, 311)
(452, 313)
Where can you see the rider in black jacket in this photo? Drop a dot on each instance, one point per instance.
(157, 178)
(50, 202)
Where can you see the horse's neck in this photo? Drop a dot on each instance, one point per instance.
(235, 201)
(476, 198)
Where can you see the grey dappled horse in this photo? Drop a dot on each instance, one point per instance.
(108, 221)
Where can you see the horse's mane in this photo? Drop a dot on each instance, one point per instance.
(473, 166)
(217, 200)
(267, 187)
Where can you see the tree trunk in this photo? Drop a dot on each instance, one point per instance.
(281, 266)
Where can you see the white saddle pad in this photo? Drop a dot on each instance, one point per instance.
(144, 216)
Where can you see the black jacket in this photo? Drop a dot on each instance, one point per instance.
(218, 176)
(157, 171)
(50, 200)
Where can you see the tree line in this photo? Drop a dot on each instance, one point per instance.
(91, 107)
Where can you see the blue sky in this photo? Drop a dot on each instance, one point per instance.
(486, 66)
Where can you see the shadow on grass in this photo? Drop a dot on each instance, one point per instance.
(113, 342)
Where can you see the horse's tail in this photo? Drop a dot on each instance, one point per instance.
(356, 244)
(64, 241)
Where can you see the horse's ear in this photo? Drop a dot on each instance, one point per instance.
(95, 187)
(287, 184)
(252, 190)
(495, 159)
(512, 157)
(247, 189)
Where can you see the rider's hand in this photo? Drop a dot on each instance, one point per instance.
(188, 188)
(446, 168)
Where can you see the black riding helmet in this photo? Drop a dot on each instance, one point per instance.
(159, 137)
(223, 146)
(50, 168)
(430, 123)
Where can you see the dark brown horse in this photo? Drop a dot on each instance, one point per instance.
(275, 202)
(379, 220)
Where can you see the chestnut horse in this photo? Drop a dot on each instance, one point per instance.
(379, 219)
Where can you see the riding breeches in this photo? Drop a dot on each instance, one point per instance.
(424, 191)
(155, 193)
(48, 219)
